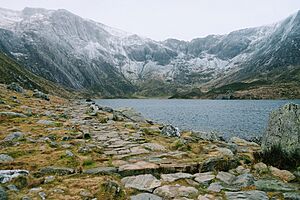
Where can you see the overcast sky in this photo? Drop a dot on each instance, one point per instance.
(181, 19)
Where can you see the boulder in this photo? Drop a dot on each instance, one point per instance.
(5, 158)
(283, 128)
(261, 167)
(145, 196)
(282, 174)
(146, 182)
(247, 195)
(173, 191)
(170, 131)
(14, 136)
(128, 114)
(15, 87)
(8, 175)
(10, 115)
(40, 95)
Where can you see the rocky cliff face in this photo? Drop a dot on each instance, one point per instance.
(83, 54)
(284, 129)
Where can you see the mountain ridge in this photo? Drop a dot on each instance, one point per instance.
(83, 54)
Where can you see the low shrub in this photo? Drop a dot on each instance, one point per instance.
(278, 157)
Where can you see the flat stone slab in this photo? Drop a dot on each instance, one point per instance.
(145, 196)
(248, 195)
(154, 147)
(215, 187)
(137, 168)
(145, 182)
(225, 177)
(101, 170)
(175, 176)
(173, 191)
(273, 185)
(204, 178)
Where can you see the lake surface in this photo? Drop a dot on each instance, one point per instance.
(242, 118)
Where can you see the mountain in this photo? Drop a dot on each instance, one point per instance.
(86, 55)
(11, 71)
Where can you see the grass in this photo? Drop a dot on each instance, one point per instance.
(279, 158)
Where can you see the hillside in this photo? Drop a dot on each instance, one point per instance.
(11, 71)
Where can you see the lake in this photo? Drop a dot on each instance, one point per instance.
(242, 118)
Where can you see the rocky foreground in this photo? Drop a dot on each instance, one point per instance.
(53, 148)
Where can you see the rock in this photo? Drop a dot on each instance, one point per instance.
(291, 196)
(224, 152)
(46, 122)
(248, 195)
(283, 128)
(208, 197)
(272, 185)
(242, 170)
(215, 187)
(145, 182)
(69, 153)
(14, 136)
(282, 174)
(8, 175)
(86, 194)
(101, 171)
(128, 114)
(57, 170)
(140, 167)
(42, 195)
(11, 115)
(204, 178)
(261, 167)
(15, 87)
(172, 191)
(12, 187)
(243, 180)
(41, 95)
(170, 131)
(5, 158)
(209, 136)
(154, 147)
(145, 196)
(242, 142)
(49, 179)
(26, 198)
(84, 149)
(3, 194)
(175, 176)
(225, 177)
(107, 109)
(2, 102)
